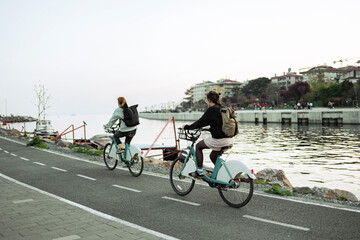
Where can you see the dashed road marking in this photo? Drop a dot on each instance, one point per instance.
(12, 154)
(39, 163)
(126, 188)
(23, 201)
(182, 201)
(6, 151)
(25, 159)
(71, 237)
(86, 177)
(277, 223)
(59, 169)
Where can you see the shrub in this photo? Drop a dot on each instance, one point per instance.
(36, 142)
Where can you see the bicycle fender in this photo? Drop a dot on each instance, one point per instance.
(133, 150)
(234, 167)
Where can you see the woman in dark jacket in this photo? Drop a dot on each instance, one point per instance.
(218, 139)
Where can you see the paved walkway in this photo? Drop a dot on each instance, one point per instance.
(27, 213)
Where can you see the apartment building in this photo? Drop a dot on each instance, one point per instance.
(225, 87)
(287, 79)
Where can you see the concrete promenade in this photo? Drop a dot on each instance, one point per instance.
(29, 213)
(302, 116)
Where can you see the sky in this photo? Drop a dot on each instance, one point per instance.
(89, 52)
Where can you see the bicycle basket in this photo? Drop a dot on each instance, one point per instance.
(189, 135)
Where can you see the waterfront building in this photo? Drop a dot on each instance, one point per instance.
(225, 87)
(351, 73)
(328, 74)
(287, 79)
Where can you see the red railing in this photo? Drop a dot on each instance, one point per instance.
(71, 131)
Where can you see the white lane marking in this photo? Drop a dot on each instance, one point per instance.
(25, 159)
(126, 188)
(59, 169)
(71, 237)
(86, 177)
(39, 163)
(197, 182)
(277, 223)
(12, 154)
(182, 201)
(1, 149)
(92, 211)
(23, 201)
(6, 151)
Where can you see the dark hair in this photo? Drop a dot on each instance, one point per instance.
(214, 97)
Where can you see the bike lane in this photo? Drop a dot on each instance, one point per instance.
(147, 201)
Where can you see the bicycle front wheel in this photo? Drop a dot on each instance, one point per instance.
(110, 162)
(136, 165)
(240, 194)
(181, 184)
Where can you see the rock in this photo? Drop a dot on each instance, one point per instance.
(274, 176)
(61, 143)
(346, 194)
(324, 193)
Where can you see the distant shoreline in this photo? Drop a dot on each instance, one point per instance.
(301, 116)
(16, 119)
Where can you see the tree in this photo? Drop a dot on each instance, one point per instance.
(296, 91)
(256, 87)
(42, 99)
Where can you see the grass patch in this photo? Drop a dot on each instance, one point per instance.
(342, 198)
(279, 191)
(36, 142)
(88, 151)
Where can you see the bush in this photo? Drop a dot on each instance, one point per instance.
(279, 191)
(36, 142)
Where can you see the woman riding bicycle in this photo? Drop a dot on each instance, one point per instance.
(124, 131)
(218, 139)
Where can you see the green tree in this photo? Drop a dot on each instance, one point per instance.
(256, 87)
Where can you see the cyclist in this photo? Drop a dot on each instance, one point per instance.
(124, 131)
(217, 140)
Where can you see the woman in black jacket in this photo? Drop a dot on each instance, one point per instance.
(218, 139)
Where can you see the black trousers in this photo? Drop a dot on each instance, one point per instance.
(199, 154)
(129, 136)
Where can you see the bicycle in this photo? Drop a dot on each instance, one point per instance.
(131, 156)
(233, 179)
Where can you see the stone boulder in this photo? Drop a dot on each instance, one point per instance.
(273, 177)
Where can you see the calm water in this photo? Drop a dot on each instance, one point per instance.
(310, 155)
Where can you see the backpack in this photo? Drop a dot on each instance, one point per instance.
(230, 121)
(131, 116)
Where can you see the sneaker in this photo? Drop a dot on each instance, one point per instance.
(196, 175)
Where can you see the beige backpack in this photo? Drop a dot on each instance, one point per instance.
(230, 121)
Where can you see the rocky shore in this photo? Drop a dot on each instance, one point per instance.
(14, 119)
(268, 180)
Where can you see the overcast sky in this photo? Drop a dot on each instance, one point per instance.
(89, 52)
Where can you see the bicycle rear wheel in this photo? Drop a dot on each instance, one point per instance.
(239, 195)
(136, 165)
(181, 184)
(110, 162)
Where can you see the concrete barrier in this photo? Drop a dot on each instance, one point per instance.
(315, 116)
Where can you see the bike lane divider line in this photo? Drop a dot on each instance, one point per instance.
(182, 201)
(59, 169)
(25, 159)
(6, 151)
(86, 177)
(126, 188)
(277, 223)
(12, 154)
(23, 201)
(39, 163)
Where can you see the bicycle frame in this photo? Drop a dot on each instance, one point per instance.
(191, 166)
(130, 151)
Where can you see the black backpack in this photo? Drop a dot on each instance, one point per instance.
(131, 116)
